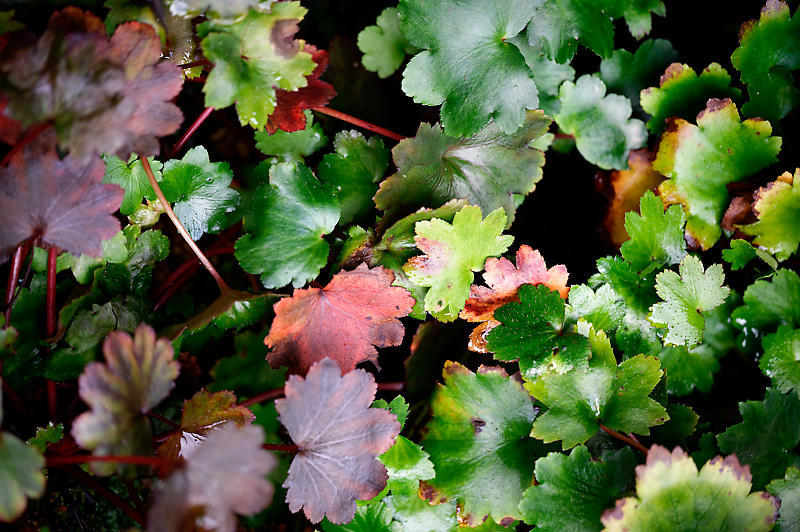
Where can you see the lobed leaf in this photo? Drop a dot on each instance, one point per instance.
(656, 234)
(629, 73)
(383, 45)
(768, 303)
(777, 206)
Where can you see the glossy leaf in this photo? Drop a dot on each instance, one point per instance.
(739, 254)
(788, 491)
(780, 359)
(487, 169)
(578, 483)
(685, 298)
(504, 280)
(771, 302)
(131, 178)
(288, 218)
(452, 253)
(329, 418)
(700, 172)
(777, 206)
(682, 93)
(137, 375)
(58, 201)
(629, 73)
(672, 495)
(535, 331)
(460, 70)
(601, 124)
(656, 234)
(478, 443)
(383, 45)
(342, 321)
(292, 146)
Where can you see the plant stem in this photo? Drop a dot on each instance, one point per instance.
(266, 396)
(52, 258)
(621, 437)
(391, 386)
(188, 266)
(223, 287)
(13, 276)
(359, 123)
(24, 141)
(283, 448)
(167, 422)
(107, 494)
(563, 136)
(189, 132)
(57, 461)
(201, 62)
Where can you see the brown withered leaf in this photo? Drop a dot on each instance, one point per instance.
(504, 280)
(59, 202)
(357, 310)
(223, 477)
(102, 95)
(626, 189)
(203, 413)
(288, 114)
(329, 418)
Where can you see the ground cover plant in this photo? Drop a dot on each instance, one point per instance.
(565, 297)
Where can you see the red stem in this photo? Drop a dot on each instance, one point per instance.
(359, 123)
(24, 141)
(52, 257)
(391, 386)
(110, 496)
(621, 437)
(201, 62)
(266, 396)
(563, 136)
(283, 448)
(189, 132)
(167, 422)
(190, 265)
(13, 275)
(57, 461)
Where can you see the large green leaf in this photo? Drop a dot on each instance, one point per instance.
(452, 253)
(488, 169)
(655, 235)
(700, 170)
(478, 443)
(287, 220)
(671, 495)
(601, 124)
(576, 482)
(474, 75)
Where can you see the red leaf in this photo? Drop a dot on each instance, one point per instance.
(57, 201)
(504, 280)
(354, 312)
(288, 114)
(340, 437)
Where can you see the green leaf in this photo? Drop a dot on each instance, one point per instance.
(407, 463)
(629, 73)
(768, 303)
(252, 58)
(769, 429)
(134, 274)
(686, 297)
(222, 11)
(682, 93)
(769, 49)
(558, 25)
(672, 495)
(700, 171)
(547, 74)
(533, 331)
(788, 491)
(739, 254)
(576, 482)
(44, 436)
(601, 124)
(89, 326)
(383, 45)
(488, 169)
(452, 253)
(601, 308)
(138, 374)
(247, 372)
(20, 475)
(781, 359)
(475, 75)
(199, 191)
(682, 424)
(131, 177)
(581, 400)
(777, 206)
(121, 11)
(287, 220)
(353, 171)
(292, 146)
(478, 443)
(655, 235)
(398, 407)
(368, 518)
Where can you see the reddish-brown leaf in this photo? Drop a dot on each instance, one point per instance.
(343, 321)
(288, 114)
(102, 95)
(202, 413)
(340, 437)
(60, 202)
(10, 129)
(504, 280)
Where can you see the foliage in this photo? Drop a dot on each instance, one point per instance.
(239, 325)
